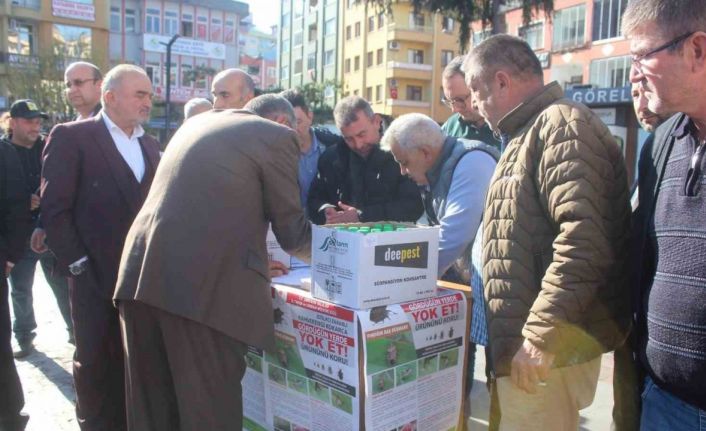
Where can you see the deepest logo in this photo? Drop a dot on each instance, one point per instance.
(410, 255)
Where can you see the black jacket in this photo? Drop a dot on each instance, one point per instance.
(327, 137)
(15, 219)
(374, 186)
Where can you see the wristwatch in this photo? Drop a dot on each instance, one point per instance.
(78, 268)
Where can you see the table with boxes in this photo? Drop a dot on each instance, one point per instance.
(374, 345)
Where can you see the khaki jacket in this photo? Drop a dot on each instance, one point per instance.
(555, 237)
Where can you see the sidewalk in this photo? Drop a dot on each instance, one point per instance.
(49, 393)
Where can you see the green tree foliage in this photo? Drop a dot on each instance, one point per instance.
(467, 11)
(314, 93)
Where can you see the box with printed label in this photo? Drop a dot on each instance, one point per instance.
(275, 251)
(361, 266)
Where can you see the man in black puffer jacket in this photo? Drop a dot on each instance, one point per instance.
(357, 181)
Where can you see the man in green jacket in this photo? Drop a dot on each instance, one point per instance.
(556, 225)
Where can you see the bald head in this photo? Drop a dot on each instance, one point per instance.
(232, 89)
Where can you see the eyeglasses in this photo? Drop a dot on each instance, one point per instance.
(78, 82)
(457, 101)
(637, 59)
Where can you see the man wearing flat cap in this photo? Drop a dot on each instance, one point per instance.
(25, 137)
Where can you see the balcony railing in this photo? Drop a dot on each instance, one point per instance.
(29, 4)
(396, 26)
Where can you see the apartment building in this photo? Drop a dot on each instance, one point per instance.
(31, 29)
(208, 41)
(396, 61)
(308, 44)
(581, 48)
(258, 55)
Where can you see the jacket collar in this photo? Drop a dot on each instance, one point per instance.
(446, 150)
(525, 111)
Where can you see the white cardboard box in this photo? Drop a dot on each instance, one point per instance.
(275, 251)
(369, 270)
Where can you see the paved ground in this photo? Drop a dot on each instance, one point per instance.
(49, 393)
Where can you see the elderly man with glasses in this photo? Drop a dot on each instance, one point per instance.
(465, 122)
(668, 43)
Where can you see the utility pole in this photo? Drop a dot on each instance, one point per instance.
(168, 107)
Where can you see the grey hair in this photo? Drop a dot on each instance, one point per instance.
(455, 67)
(672, 17)
(270, 106)
(346, 110)
(114, 77)
(194, 106)
(502, 52)
(97, 75)
(412, 131)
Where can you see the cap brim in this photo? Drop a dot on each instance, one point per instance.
(36, 115)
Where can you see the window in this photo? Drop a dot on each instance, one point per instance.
(185, 75)
(201, 81)
(298, 9)
(369, 94)
(533, 34)
(329, 58)
(416, 56)
(285, 19)
(216, 29)
(72, 41)
(347, 65)
(115, 19)
(24, 37)
(285, 72)
(610, 72)
(371, 24)
(312, 33)
(357, 29)
(447, 24)
(378, 93)
(229, 31)
(380, 56)
(480, 36)
(414, 92)
(607, 15)
(381, 19)
(348, 32)
(130, 21)
(446, 57)
(171, 23)
(152, 19)
(298, 38)
(330, 27)
(285, 45)
(311, 61)
(201, 27)
(370, 59)
(187, 25)
(416, 20)
(356, 63)
(153, 70)
(298, 66)
(569, 27)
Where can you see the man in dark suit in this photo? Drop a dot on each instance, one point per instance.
(95, 177)
(193, 287)
(15, 226)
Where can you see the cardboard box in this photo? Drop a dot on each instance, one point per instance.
(399, 367)
(370, 270)
(275, 251)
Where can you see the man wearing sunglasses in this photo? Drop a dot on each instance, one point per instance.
(668, 44)
(466, 122)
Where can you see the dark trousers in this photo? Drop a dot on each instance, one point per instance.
(99, 370)
(181, 375)
(22, 280)
(11, 397)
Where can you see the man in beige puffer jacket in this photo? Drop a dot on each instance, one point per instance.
(555, 240)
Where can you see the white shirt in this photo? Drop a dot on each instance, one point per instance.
(128, 146)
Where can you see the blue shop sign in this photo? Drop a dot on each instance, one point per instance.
(600, 96)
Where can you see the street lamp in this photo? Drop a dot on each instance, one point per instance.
(168, 108)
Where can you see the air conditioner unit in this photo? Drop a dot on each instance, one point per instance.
(393, 44)
(393, 83)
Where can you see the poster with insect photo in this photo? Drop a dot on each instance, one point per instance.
(413, 358)
(311, 377)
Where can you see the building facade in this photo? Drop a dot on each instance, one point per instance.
(395, 61)
(258, 55)
(208, 42)
(581, 48)
(61, 30)
(308, 44)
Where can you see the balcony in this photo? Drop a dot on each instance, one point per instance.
(414, 33)
(28, 4)
(400, 70)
